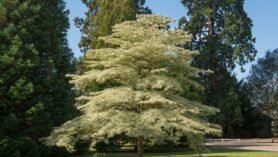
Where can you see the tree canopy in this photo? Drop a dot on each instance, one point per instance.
(222, 32)
(263, 85)
(139, 91)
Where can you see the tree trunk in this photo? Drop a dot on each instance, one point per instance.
(212, 56)
(140, 148)
(135, 146)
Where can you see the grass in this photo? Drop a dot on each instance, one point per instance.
(211, 153)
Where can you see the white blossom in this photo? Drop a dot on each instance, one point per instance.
(139, 87)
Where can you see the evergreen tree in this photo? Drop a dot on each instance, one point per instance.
(263, 84)
(139, 91)
(102, 15)
(56, 60)
(256, 124)
(34, 58)
(222, 34)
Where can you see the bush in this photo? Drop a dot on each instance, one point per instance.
(112, 144)
(54, 152)
(19, 147)
(104, 146)
(9, 147)
(81, 146)
(29, 147)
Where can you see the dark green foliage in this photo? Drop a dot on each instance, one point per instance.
(110, 145)
(99, 20)
(256, 124)
(21, 146)
(226, 98)
(222, 34)
(82, 146)
(221, 29)
(34, 58)
(53, 152)
(263, 82)
(140, 8)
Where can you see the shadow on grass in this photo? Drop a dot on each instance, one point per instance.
(181, 152)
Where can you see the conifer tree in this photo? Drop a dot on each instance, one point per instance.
(34, 58)
(138, 89)
(99, 21)
(56, 60)
(18, 58)
(222, 34)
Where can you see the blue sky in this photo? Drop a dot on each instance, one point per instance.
(263, 13)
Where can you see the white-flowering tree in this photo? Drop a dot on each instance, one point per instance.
(135, 89)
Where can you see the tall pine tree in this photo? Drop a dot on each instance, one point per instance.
(34, 58)
(221, 31)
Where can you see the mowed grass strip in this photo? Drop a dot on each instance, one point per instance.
(211, 153)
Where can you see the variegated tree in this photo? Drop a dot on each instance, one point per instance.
(135, 89)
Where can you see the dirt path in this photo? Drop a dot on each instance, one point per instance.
(247, 144)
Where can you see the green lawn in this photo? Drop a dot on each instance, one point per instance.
(213, 153)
